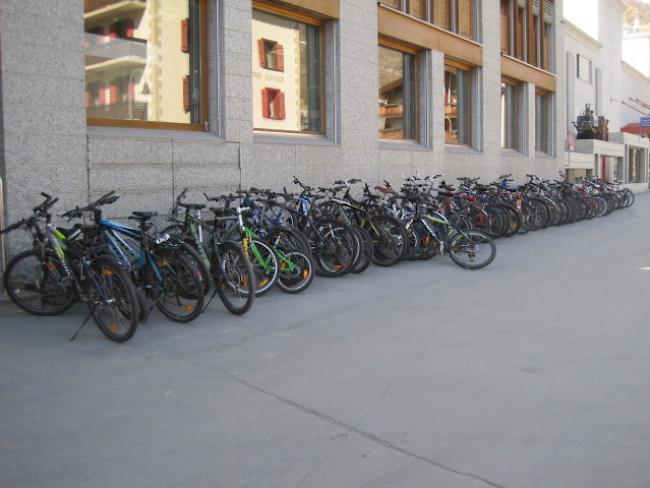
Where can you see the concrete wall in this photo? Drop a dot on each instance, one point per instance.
(50, 147)
(42, 102)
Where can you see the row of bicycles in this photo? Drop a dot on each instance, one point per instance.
(241, 245)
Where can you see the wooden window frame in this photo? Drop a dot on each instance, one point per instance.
(413, 51)
(516, 84)
(546, 94)
(459, 65)
(204, 104)
(453, 8)
(309, 18)
(533, 47)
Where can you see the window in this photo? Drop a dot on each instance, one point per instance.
(454, 15)
(397, 95)
(271, 55)
(287, 74)
(584, 69)
(273, 105)
(509, 116)
(635, 157)
(457, 104)
(527, 31)
(144, 62)
(542, 121)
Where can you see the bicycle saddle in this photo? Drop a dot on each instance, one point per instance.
(144, 215)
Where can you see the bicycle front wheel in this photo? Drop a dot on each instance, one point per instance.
(113, 300)
(472, 249)
(235, 279)
(37, 284)
(181, 298)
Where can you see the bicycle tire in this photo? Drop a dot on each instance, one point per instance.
(52, 269)
(235, 278)
(111, 289)
(470, 239)
(301, 277)
(180, 282)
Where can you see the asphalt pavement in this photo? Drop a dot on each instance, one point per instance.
(533, 372)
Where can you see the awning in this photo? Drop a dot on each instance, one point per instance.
(636, 129)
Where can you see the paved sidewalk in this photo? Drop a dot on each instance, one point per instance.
(530, 373)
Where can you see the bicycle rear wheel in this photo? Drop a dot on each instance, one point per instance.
(113, 300)
(235, 278)
(36, 283)
(181, 298)
(472, 249)
(296, 272)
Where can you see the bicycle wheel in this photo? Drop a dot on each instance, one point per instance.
(336, 248)
(235, 278)
(112, 299)
(181, 297)
(472, 249)
(265, 265)
(296, 271)
(38, 284)
(366, 252)
(389, 239)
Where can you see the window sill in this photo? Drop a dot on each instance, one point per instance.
(460, 149)
(543, 155)
(262, 137)
(95, 130)
(512, 153)
(394, 145)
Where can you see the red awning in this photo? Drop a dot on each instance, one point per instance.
(635, 128)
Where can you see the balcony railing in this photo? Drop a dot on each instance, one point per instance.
(129, 110)
(92, 5)
(98, 51)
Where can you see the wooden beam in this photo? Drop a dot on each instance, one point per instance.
(530, 32)
(518, 70)
(401, 27)
(327, 8)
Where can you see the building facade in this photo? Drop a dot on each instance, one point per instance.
(148, 97)
(600, 84)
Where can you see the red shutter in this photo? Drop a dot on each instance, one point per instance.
(88, 99)
(265, 103)
(279, 107)
(262, 51)
(112, 32)
(113, 91)
(185, 36)
(131, 90)
(128, 29)
(186, 94)
(279, 54)
(102, 95)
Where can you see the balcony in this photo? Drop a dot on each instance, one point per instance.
(116, 53)
(97, 11)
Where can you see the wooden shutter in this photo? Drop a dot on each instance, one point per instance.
(465, 17)
(441, 13)
(112, 31)
(262, 51)
(546, 33)
(265, 104)
(185, 36)
(279, 57)
(113, 92)
(186, 94)
(129, 30)
(280, 109)
(533, 42)
(519, 33)
(505, 26)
